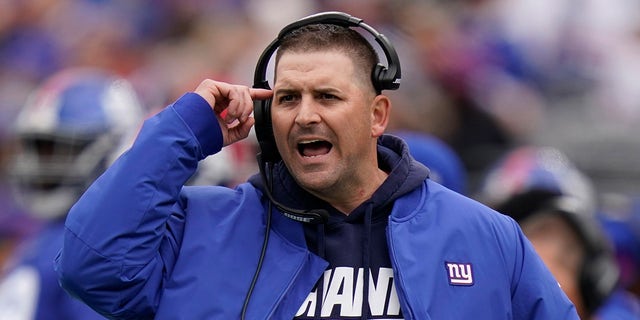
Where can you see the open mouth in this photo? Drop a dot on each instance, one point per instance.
(314, 148)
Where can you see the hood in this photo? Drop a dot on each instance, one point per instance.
(405, 174)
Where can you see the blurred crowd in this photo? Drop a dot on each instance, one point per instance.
(483, 77)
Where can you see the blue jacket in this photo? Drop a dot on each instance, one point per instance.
(140, 245)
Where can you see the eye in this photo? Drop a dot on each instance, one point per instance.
(286, 98)
(327, 96)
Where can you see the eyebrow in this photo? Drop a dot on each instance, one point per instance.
(286, 91)
(327, 90)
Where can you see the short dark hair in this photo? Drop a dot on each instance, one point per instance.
(323, 37)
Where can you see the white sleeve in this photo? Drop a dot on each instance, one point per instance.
(19, 292)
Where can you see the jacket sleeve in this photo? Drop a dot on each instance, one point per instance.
(535, 292)
(122, 235)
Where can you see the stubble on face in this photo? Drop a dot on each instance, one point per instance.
(323, 127)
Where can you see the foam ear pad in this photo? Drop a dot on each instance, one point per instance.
(267, 142)
(377, 77)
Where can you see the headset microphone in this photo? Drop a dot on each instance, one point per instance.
(311, 216)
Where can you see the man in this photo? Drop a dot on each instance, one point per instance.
(555, 204)
(387, 242)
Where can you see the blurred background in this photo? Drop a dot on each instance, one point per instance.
(484, 76)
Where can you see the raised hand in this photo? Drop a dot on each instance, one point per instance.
(233, 105)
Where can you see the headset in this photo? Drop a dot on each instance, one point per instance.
(599, 274)
(531, 180)
(383, 78)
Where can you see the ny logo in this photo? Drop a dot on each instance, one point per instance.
(459, 273)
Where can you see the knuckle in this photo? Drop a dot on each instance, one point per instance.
(207, 82)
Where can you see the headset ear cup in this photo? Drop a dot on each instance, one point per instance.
(378, 77)
(264, 130)
(599, 272)
(598, 277)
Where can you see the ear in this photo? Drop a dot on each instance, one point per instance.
(380, 111)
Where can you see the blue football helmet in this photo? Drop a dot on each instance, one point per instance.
(67, 134)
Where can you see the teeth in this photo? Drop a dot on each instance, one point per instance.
(309, 141)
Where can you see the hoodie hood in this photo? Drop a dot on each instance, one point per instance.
(405, 174)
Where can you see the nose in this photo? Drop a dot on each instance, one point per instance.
(308, 112)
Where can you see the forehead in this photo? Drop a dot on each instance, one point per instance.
(327, 66)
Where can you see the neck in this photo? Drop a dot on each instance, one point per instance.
(351, 195)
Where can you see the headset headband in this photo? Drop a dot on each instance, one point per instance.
(386, 78)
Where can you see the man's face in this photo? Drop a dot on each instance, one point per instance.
(323, 120)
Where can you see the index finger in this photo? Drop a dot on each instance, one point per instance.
(260, 94)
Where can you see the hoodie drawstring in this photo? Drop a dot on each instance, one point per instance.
(320, 286)
(366, 260)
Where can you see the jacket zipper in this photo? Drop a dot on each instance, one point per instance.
(398, 279)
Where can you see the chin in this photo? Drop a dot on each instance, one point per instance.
(316, 181)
